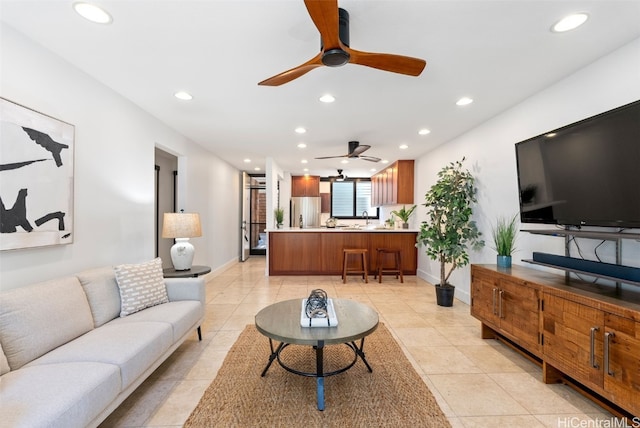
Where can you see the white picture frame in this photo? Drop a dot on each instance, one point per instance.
(36, 178)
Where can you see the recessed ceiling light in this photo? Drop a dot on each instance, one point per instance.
(385, 161)
(300, 130)
(464, 101)
(92, 12)
(570, 22)
(247, 160)
(403, 146)
(344, 161)
(327, 98)
(182, 95)
(372, 170)
(304, 161)
(306, 169)
(302, 145)
(424, 131)
(256, 168)
(551, 135)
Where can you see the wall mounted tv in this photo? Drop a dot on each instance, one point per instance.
(583, 174)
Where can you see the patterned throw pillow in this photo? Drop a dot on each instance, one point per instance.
(141, 286)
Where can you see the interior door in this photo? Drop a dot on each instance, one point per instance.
(245, 217)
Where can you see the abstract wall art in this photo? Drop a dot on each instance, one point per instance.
(36, 178)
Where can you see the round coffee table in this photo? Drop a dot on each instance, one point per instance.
(281, 322)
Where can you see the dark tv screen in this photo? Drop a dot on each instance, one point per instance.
(583, 174)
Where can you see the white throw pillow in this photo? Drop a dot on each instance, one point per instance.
(141, 286)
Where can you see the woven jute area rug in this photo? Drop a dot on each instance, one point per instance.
(394, 395)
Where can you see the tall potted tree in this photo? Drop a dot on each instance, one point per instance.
(449, 230)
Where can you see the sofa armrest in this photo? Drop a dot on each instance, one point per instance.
(185, 289)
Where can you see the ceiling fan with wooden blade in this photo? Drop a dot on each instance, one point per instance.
(355, 151)
(333, 24)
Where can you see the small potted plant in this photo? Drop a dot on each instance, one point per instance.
(404, 214)
(504, 237)
(390, 221)
(279, 214)
(449, 229)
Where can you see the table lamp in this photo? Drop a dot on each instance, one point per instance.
(181, 226)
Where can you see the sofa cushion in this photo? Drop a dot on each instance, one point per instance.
(181, 316)
(40, 317)
(133, 350)
(141, 286)
(4, 364)
(102, 293)
(57, 395)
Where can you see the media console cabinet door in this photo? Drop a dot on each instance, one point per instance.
(573, 342)
(622, 376)
(521, 314)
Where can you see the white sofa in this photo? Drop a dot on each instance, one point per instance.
(67, 357)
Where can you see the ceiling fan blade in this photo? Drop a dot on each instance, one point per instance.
(332, 157)
(370, 158)
(294, 73)
(324, 13)
(359, 149)
(387, 62)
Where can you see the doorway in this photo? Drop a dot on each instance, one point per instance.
(166, 168)
(254, 215)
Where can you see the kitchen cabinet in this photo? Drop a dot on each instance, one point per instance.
(393, 185)
(312, 252)
(325, 202)
(586, 333)
(305, 185)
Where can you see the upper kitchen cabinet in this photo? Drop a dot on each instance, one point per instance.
(393, 185)
(305, 185)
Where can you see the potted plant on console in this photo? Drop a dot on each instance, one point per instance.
(404, 214)
(449, 229)
(504, 239)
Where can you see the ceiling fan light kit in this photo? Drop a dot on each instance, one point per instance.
(333, 24)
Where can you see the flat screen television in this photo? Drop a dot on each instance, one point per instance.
(583, 174)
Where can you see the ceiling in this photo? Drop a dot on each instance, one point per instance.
(496, 52)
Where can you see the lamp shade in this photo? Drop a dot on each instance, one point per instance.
(181, 225)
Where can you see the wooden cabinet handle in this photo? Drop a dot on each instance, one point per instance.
(592, 356)
(607, 337)
(500, 303)
(494, 291)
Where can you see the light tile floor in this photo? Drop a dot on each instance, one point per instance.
(478, 383)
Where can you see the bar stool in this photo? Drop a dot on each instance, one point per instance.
(396, 269)
(362, 252)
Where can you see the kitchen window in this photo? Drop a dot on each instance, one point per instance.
(350, 199)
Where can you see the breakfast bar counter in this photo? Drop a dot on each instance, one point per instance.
(318, 251)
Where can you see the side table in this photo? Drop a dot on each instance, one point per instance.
(194, 272)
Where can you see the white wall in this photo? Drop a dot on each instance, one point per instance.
(610, 82)
(114, 172)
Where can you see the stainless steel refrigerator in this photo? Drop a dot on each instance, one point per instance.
(309, 208)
